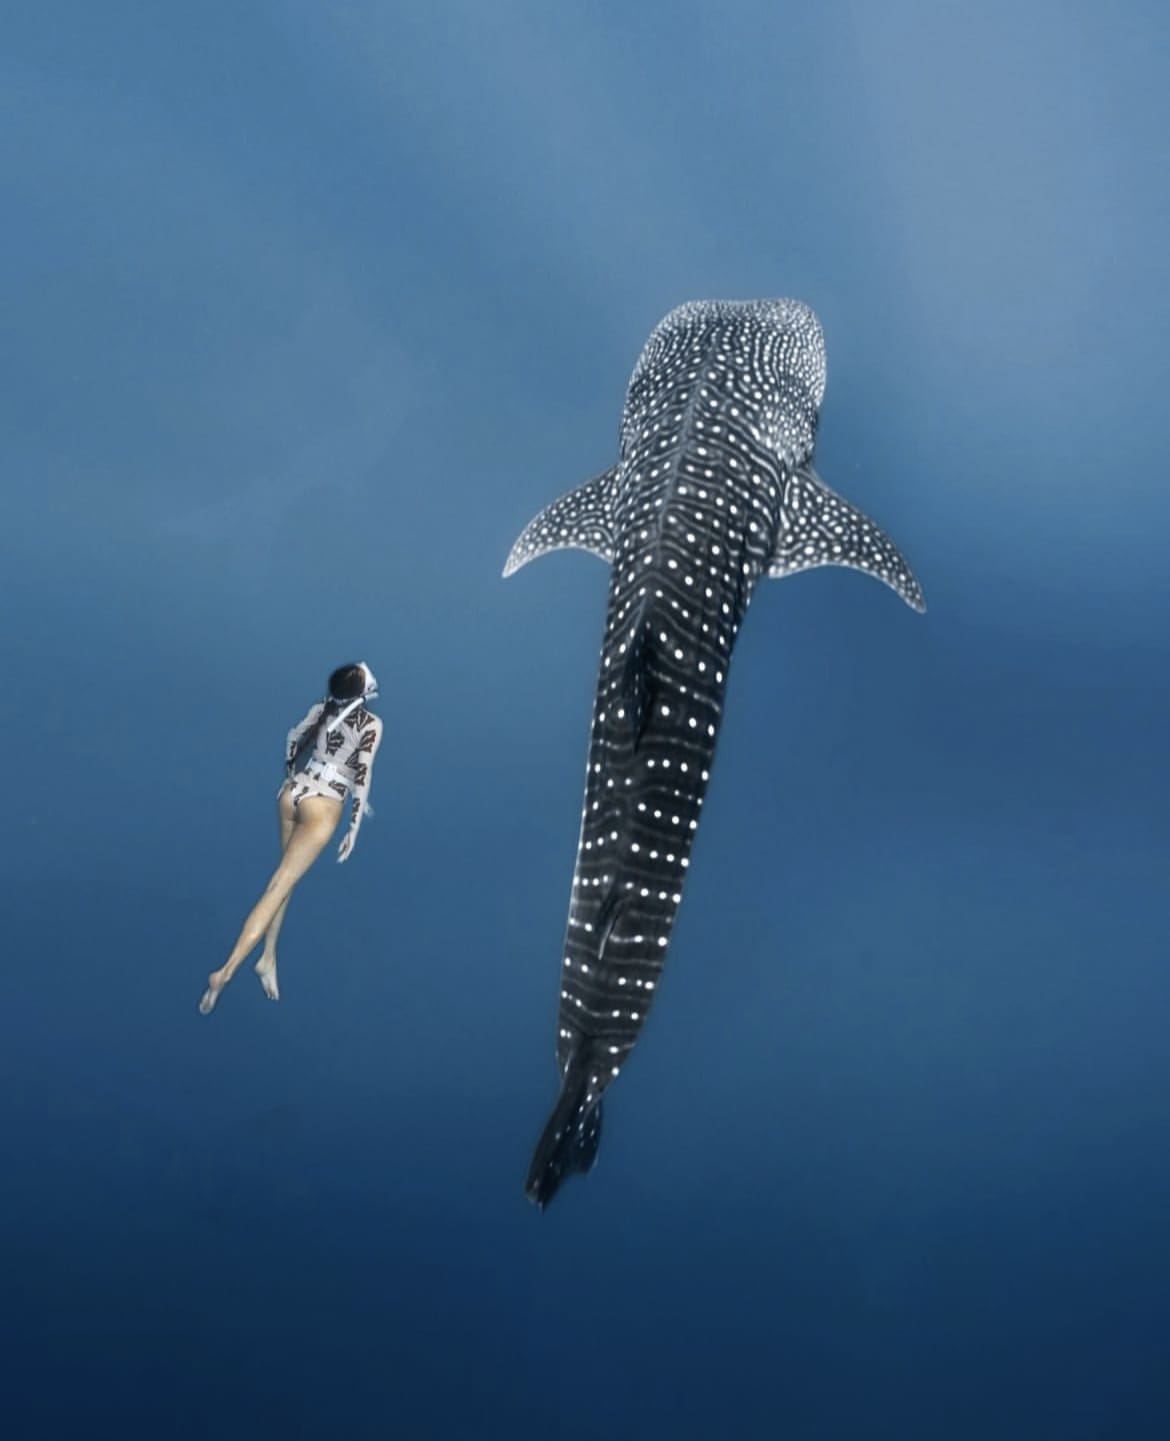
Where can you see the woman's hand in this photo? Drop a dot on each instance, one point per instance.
(345, 849)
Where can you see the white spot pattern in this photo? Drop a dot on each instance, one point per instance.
(713, 490)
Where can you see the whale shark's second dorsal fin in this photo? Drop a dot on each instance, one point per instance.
(581, 520)
(822, 528)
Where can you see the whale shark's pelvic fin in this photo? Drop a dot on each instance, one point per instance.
(583, 520)
(822, 528)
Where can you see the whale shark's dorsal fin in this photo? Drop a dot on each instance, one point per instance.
(635, 682)
(822, 528)
(581, 520)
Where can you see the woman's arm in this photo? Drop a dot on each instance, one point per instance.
(298, 733)
(362, 765)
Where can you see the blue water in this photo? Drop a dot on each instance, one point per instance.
(307, 309)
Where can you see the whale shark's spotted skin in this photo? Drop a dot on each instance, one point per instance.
(713, 489)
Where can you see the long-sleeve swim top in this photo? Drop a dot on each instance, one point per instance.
(348, 745)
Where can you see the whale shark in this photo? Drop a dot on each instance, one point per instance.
(713, 489)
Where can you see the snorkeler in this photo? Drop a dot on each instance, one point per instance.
(329, 756)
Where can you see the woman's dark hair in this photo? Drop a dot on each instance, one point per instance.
(347, 682)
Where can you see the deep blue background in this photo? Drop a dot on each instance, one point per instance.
(307, 308)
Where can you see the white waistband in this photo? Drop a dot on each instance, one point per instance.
(326, 771)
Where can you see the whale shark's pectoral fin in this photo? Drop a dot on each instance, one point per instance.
(822, 528)
(581, 520)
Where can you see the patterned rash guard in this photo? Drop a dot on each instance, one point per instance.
(340, 762)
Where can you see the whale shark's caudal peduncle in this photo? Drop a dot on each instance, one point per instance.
(714, 488)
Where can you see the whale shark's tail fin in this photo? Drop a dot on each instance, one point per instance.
(569, 1140)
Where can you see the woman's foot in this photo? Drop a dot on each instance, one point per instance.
(215, 983)
(266, 969)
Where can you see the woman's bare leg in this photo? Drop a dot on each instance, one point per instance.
(317, 818)
(266, 965)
